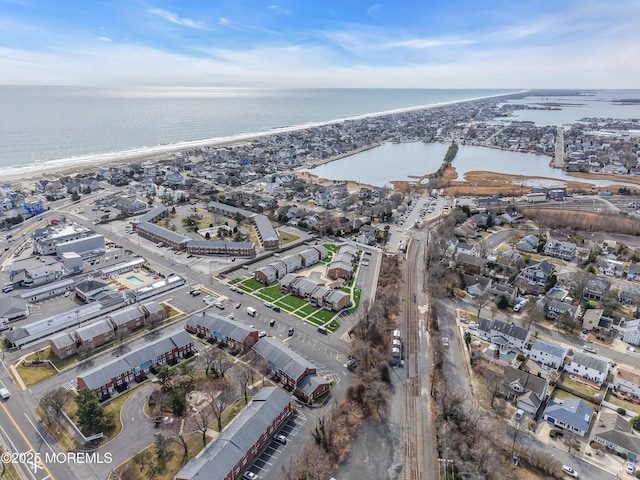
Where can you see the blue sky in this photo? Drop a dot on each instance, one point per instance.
(322, 43)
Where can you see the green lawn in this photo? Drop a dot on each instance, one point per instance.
(293, 302)
(315, 321)
(250, 285)
(308, 310)
(130, 471)
(272, 292)
(333, 326)
(356, 300)
(32, 375)
(331, 247)
(230, 413)
(324, 315)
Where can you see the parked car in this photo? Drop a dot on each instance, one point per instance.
(262, 334)
(290, 331)
(589, 348)
(570, 471)
(275, 308)
(238, 305)
(445, 341)
(280, 439)
(268, 305)
(249, 476)
(631, 468)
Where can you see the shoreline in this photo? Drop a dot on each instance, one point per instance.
(83, 163)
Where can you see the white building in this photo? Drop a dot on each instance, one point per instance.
(548, 354)
(589, 366)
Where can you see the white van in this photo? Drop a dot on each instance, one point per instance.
(4, 393)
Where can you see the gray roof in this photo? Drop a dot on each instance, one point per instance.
(126, 315)
(615, 429)
(62, 340)
(218, 458)
(548, 348)
(221, 326)
(573, 411)
(591, 361)
(229, 209)
(153, 213)
(152, 307)
(528, 382)
(91, 331)
(163, 232)
(510, 330)
(104, 373)
(281, 358)
(229, 245)
(11, 306)
(310, 383)
(267, 232)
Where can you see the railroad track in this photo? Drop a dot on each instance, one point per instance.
(414, 467)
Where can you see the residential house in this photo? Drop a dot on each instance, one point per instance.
(211, 326)
(629, 294)
(634, 272)
(505, 336)
(63, 345)
(507, 291)
(291, 368)
(555, 309)
(616, 433)
(126, 320)
(528, 390)
(340, 269)
(590, 367)
(596, 288)
(591, 318)
(116, 374)
(229, 454)
(477, 285)
(94, 335)
(471, 264)
(528, 244)
(548, 354)
(538, 272)
(612, 268)
(563, 250)
(631, 329)
(572, 414)
(266, 275)
(627, 381)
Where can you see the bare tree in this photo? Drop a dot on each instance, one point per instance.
(55, 400)
(376, 396)
(577, 282)
(202, 419)
(243, 379)
(179, 439)
(533, 314)
(514, 432)
(220, 399)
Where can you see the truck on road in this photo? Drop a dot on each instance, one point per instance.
(252, 311)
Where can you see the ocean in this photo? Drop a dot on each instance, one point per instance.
(46, 127)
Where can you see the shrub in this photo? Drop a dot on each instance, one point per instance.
(520, 357)
(621, 411)
(555, 433)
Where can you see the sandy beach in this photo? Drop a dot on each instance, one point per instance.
(89, 163)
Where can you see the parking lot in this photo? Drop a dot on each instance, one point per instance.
(263, 465)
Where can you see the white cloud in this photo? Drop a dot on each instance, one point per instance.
(174, 18)
(373, 9)
(420, 43)
(279, 10)
(104, 39)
